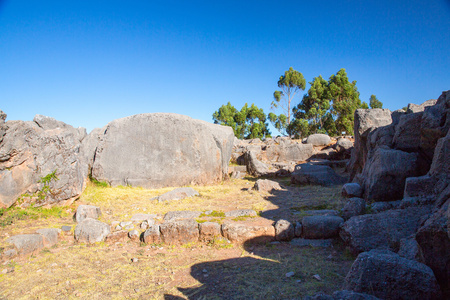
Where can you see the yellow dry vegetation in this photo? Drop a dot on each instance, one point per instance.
(193, 271)
(122, 202)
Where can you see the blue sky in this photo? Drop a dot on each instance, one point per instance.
(89, 62)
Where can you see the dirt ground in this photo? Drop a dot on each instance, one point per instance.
(219, 270)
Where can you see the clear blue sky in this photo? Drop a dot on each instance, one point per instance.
(89, 62)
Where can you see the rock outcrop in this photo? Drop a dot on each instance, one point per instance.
(386, 275)
(408, 160)
(162, 149)
(46, 161)
(30, 151)
(385, 229)
(316, 174)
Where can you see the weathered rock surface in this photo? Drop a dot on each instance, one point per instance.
(2, 125)
(284, 230)
(407, 133)
(389, 276)
(254, 166)
(49, 235)
(344, 148)
(152, 235)
(241, 213)
(162, 149)
(177, 194)
(435, 125)
(385, 229)
(366, 120)
(31, 150)
(352, 189)
(209, 231)
(288, 152)
(377, 207)
(26, 244)
(91, 231)
(414, 108)
(179, 232)
(179, 215)
(434, 241)
(149, 218)
(117, 236)
(410, 249)
(240, 233)
(318, 139)
(321, 227)
(353, 207)
(265, 185)
(87, 211)
(315, 174)
(385, 174)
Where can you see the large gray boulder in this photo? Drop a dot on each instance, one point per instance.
(26, 244)
(318, 139)
(321, 227)
(414, 108)
(354, 207)
(385, 174)
(351, 189)
(177, 194)
(50, 236)
(385, 229)
(91, 231)
(87, 211)
(435, 125)
(315, 174)
(288, 152)
(407, 132)
(162, 149)
(34, 149)
(386, 275)
(284, 230)
(240, 233)
(254, 166)
(366, 120)
(179, 232)
(434, 241)
(266, 185)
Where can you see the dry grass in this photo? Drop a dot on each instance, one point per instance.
(105, 271)
(123, 202)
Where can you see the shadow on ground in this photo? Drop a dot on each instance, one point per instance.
(274, 270)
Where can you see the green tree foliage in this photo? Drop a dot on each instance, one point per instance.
(345, 98)
(375, 103)
(313, 109)
(249, 122)
(290, 83)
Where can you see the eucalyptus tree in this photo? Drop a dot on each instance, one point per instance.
(345, 100)
(314, 107)
(374, 102)
(290, 84)
(249, 122)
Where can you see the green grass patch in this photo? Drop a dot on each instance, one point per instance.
(9, 215)
(98, 183)
(214, 213)
(242, 218)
